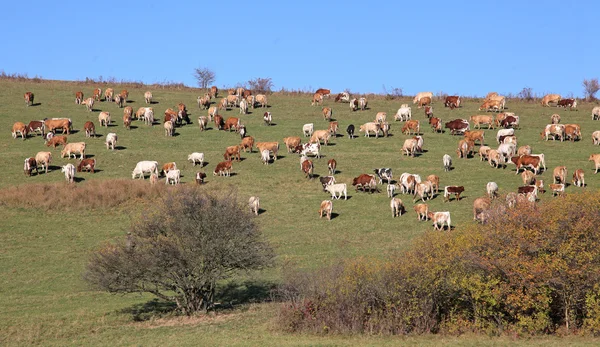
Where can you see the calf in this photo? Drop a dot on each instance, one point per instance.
(484, 152)
(579, 178)
(200, 176)
(421, 210)
(104, 118)
(36, 125)
(21, 128)
(331, 166)
(326, 180)
(336, 188)
(307, 168)
(326, 208)
(168, 167)
(87, 164)
(247, 143)
(557, 189)
(555, 119)
(456, 190)
(560, 174)
(267, 118)
(397, 207)
(173, 177)
(78, 98)
(327, 112)
(333, 128)
(265, 156)
(55, 141)
(440, 220)
(435, 183)
(148, 97)
(29, 165)
(436, 124)
(390, 190)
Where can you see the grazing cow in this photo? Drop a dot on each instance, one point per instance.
(426, 101)
(73, 149)
(261, 99)
(596, 113)
(384, 173)
(390, 190)
(596, 159)
(579, 178)
(317, 99)
(309, 148)
(254, 203)
(409, 147)
(457, 126)
(36, 125)
(495, 158)
(336, 188)
(492, 189)
(560, 174)
(436, 124)
(64, 124)
(326, 208)
(555, 119)
(267, 118)
(124, 96)
(218, 121)
(324, 92)
(557, 189)
(127, 121)
(308, 129)
(365, 181)
(342, 97)
(200, 176)
(247, 143)
(504, 132)
(214, 91)
(232, 123)
(456, 190)
(548, 98)
(42, 160)
(223, 169)
(69, 171)
(128, 111)
(87, 164)
(148, 97)
(362, 103)
(507, 150)
(440, 220)
(350, 131)
(320, 135)
(435, 182)
(423, 190)
(480, 208)
(422, 95)
(97, 94)
(327, 112)
(232, 152)
(168, 167)
(291, 143)
(484, 152)
(528, 178)
(271, 146)
(142, 167)
(493, 105)
(482, 119)
(408, 182)
(411, 126)
(104, 119)
(169, 127)
(111, 141)
(596, 137)
(28, 98)
(78, 98)
(231, 101)
(397, 207)
(531, 189)
(21, 128)
(244, 106)
(510, 122)
(29, 165)
(385, 129)
(421, 210)
(265, 156)
(212, 112)
(367, 128)
(333, 128)
(326, 180)
(452, 101)
(331, 166)
(108, 94)
(465, 147)
(202, 122)
(573, 132)
(55, 141)
(307, 168)
(501, 116)
(554, 130)
(501, 100)
(475, 135)
(173, 177)
(353, 104)
(404, 113)
(223, 104)
(429, 111)
(524, 150)
(204, 102)
(525, 161)
(196, 158)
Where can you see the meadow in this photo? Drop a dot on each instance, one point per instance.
(44, 250)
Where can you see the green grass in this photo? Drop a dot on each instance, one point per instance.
(43, 254)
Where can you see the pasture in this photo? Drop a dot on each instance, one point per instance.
(44, 252)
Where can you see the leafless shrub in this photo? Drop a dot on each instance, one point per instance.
(261, 85)
(590, 88)
(526, 94)
(204, 76)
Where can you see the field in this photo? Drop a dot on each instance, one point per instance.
(44, 252)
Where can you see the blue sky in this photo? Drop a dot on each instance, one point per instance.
(458, 47)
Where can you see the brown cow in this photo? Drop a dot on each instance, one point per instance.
(436, 124)
(317, 99)
(421, 210)
(213, 91)
(271, 146)
(108, 94)
(327, 208)
(481, 119)
(525, 161)
(411, 126)
(579, 178)
(36, 125)
(168, 167)
(452, 102)
(292, 142)
(87, 164)
(493, 105)
(57, 141)
(247, 143)
(365, 181)
(97, 95)
(465, 147)
(307, 168)
(475, 135)
(232, 152)
(218, 121)
(333, 128)
(331, 166)
(28, 98)
(570, 103)
(560, 174)
(327, 111)
(232, 123)
(456, 190)
(54, 124)
(29, 165)
(78, 98)
(324, 92)
(480, 208)
(426, 101)
(223, 169)
(21, 128)
(596, 159)
(548, 98)
(90, 129)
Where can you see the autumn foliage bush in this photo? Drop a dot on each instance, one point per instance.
(527, 271)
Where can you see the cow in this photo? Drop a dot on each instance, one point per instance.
(456, 190)
(555, 119)
(428, 111)
(320, 135)
(491, 105)
(570, 103)
(528, 178)
(424, 191)
(317, 99)
(436, 124)
(142, 167)
(490, 95)
(548, 98)
(510, 122)
(511, 199)
(483, 152)
(421, 210)
(56, 141)
(411, 126)
(426, 101)
(504, 132)
(127, 121)
(242, 131)
(492, 189)
(421, 95)
(212, 112)
(232, 123)
(73, 149)
(337, 188)
(254, 204)
(243, 106)
(465, 147)
(457, 126)
(407, 183)
(97, 94)
(331, 166)
(111, 141)
(324, 92)
(403, 114)
(596, 137)
(108, 94)
(124, 96)
(148, 97)
(104, 119)
(353, 104)
(397, 207)
(475, 135)
(169, 127)
(390, 190)
(573, 132)
(480, 208)
(440, 220)
(560, 174)
(525, 161)
(223, 169)
(325, 180)
(87, 164)
(524, 150)
(202, 122)
(342, 97)
(409, 147)
(327, 112)
(153, 179)
(478, 120)
(365, 181)
(78, 98)
(501, 100)
(308, 129)
(369, 127)
(557, 189)
(148, 115)
(539, 185)
(385, 129)
(435, 182)
(271, 146)
(350, 131)
(267, 118)
(596, 159)
(200, 176)
(384, 173)
(214, 91)
(64, 124)
(223, 104)
(265, 156)
(204, 102)
(29, 165)
(501, 116)
(309, 148)
(69, 171)
(28, 98)
(596, 113)
(247, 143)
(554, 130)
(173, 177)
(232, 152)
(182, 115)
(307, 168)
(196, 158)
(218, 121)
(579, 178)
(21, 128)
(42, 160)
(326, 208)
(291, 143)
(333, 128)
(452, 101)
(36, 125)
(262, 100)
(506, 151)
(362, 103)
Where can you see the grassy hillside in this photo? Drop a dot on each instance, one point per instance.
(44, 251)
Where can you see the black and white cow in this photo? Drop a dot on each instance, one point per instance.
(384, 173)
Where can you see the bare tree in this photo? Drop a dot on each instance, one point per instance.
(204, 76)
(590, 87)
(261, 85)
(179, 252)
(526, 94)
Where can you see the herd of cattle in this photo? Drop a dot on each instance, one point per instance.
(507, 151)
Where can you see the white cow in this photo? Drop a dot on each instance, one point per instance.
(308, 129)
(439, 219)
(265, 156)
(149, 116)
(507, 151)
(404, 113)
(254, 203)
(173, 177)
(312, 149)
(447, 160)
(492, 189)
(243, 106)
(69, 171)
(390, 190)
(111, 141)
(196, 158)
(143, 167)
(504, 132)
(397, 207)
(336, 188)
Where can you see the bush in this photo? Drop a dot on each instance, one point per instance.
(182, 249)
(526, 94)
(590, 88)
(261, 85)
